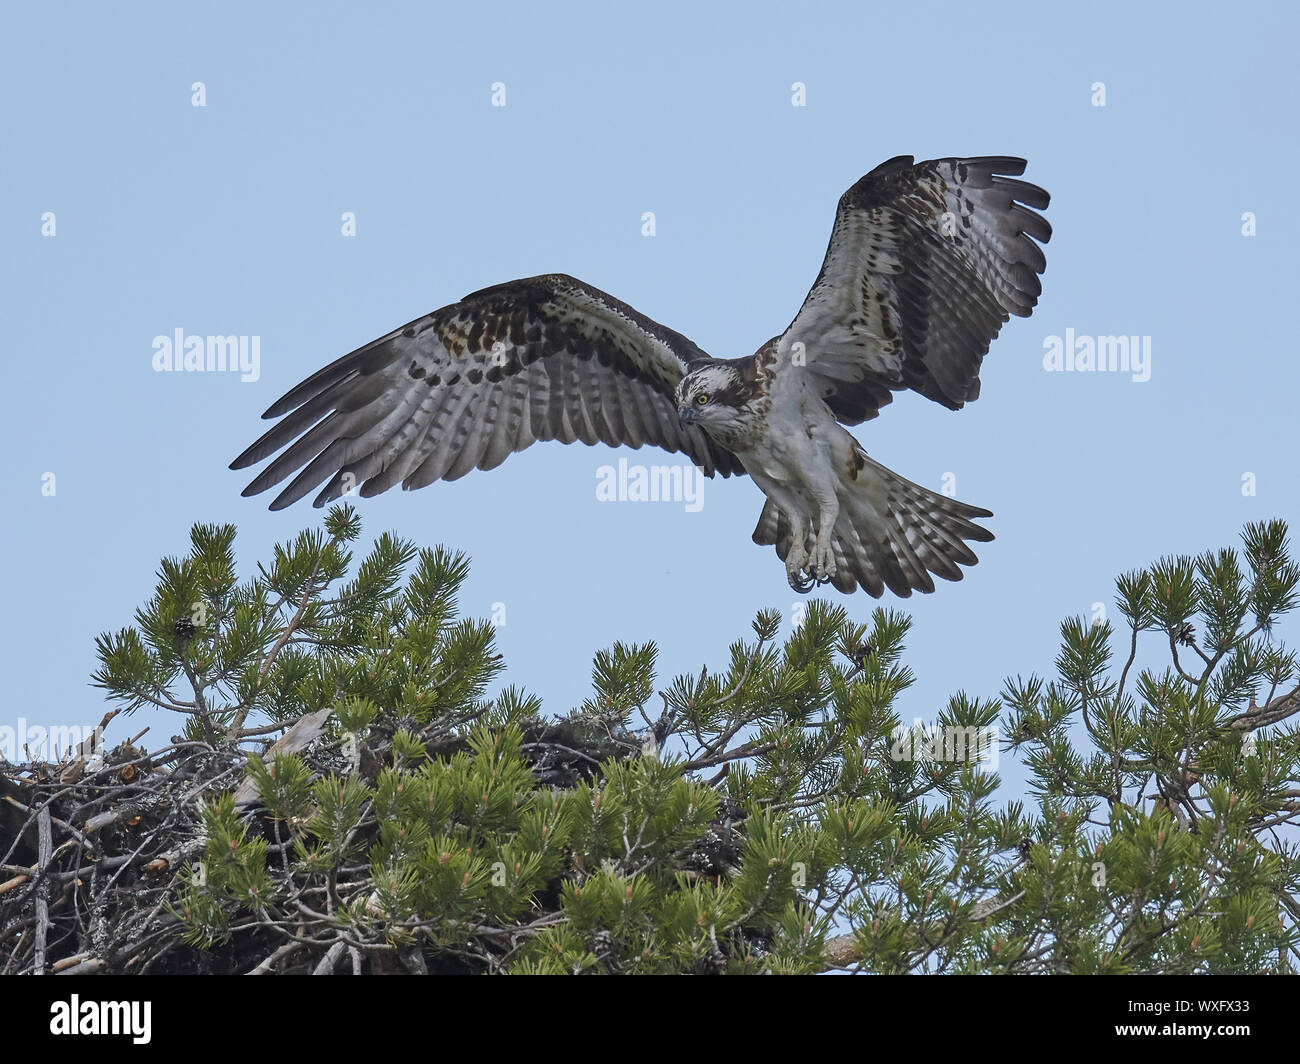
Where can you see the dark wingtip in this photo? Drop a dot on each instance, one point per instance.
(1011, 165)
(281, 406)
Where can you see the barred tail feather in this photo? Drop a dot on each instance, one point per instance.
(891, 534)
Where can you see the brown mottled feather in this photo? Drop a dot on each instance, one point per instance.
(926, 262)
(543, 358)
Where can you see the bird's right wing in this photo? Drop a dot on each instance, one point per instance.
(543, 358)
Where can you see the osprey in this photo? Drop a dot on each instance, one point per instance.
(926, 262)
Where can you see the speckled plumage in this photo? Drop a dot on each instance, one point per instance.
(925, 263)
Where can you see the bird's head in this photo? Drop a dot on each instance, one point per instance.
(713, 397)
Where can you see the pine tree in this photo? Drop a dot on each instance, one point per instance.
(345, 794)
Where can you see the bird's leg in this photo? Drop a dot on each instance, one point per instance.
(821, 562)
(797, 559)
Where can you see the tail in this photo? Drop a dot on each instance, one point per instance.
(891, 533)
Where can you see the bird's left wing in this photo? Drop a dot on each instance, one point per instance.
(543, 358)
(926, 262)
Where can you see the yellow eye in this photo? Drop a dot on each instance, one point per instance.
(701, 399)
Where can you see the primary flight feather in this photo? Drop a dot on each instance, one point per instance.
(926, 262)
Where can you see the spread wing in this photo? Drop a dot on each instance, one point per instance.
(925, 264)
(544, 358)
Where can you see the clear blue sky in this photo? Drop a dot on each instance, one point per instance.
(225, 219)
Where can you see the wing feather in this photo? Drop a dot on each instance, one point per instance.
(926, 262)
(543, 358)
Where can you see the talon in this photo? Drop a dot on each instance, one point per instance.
(801, 583)
(795, 563)
(821, 566)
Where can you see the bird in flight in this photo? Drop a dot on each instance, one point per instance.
(926, 262)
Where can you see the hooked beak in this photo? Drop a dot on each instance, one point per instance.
(687, 415)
